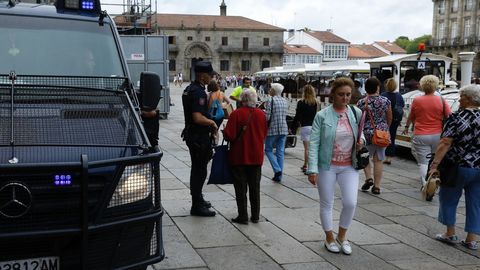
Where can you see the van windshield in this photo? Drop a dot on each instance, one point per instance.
(44, 46)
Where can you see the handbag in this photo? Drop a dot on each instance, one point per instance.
(220, 173)
(362, 155)
(380, 138)
(431, 186)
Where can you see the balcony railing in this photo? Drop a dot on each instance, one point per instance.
(457, 41)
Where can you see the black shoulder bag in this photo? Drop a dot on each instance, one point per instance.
(363, 156)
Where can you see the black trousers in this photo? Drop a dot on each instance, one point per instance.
(200, 155)
(247, 176)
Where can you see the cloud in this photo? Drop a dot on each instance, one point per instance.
(359, 21)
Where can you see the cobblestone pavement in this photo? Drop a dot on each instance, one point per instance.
(391, 231)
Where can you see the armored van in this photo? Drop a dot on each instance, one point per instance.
(79, 165)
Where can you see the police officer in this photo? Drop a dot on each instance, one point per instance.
(197, 135)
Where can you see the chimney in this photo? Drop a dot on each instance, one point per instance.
(223, 9)
(291, 33)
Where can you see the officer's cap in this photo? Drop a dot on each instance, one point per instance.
(205, 67)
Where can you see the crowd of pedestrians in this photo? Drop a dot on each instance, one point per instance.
(331, 138)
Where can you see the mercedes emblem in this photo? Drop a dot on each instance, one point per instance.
(15, 200)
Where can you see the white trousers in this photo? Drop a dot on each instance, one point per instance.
(347, 179)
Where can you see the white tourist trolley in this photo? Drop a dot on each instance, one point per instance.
(407, 70)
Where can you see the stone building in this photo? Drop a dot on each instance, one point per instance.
(234, 44)
(329, 45)
(456, 28)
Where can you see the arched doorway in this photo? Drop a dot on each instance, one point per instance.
(196, 51)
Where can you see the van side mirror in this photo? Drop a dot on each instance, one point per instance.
(150, 90)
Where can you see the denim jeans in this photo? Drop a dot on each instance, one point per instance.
(468, 179)
(276, 160)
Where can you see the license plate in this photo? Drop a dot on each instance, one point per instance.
(44, 263)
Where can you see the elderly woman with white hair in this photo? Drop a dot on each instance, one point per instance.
(276, 110)
(427, 114)
(460, 144)
(246, 131)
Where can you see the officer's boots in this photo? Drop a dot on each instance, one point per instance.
(201, 208)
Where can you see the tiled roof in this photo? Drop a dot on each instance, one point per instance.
(188, 21)
(354, 52)
(364, 51)
(298, 49)
(327, 37)
(391, 47)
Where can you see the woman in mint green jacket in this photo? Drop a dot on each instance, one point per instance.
(332, 158)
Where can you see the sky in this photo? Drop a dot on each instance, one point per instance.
(358, 21)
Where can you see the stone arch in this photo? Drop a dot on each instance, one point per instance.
(198, 50)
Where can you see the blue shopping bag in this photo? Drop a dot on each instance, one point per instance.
(220, 173)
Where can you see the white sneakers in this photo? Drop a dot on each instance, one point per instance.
(334, 248)
(345, 245)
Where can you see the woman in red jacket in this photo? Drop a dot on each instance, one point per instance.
(246, 131)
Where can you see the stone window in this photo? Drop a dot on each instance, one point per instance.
(172, 40)
(245, 43)
(189, 38)
(454, 30)
(207, 38)
(266, 42)
(265, 64)
(245, 65)
(441, 30)
(468, 4)
(468, 29)
(172, 65)
(224, 65)
(454, 5)
(224, 41)
(441, 7)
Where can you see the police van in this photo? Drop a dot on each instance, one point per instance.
(79, 172)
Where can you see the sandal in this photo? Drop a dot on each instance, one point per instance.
(473, 245)
(449, 240)
(368, 183)
(376, 190)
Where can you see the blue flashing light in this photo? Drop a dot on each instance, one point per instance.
(62, 180)
(87, 5)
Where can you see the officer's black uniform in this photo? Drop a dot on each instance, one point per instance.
(199, 143)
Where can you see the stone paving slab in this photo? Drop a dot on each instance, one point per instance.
(396, 252)
(277, 244)
(369, 218)
(300, 228)
(309, 266)
(235, 258)
(177, 208)
(425, 264)
(173, 183)
(210, 232)
(389, 209)
(178, 251)
(288, 197)
(428, 245)
(361, 234)
(358, 260)
(425, 225)
(403, 200)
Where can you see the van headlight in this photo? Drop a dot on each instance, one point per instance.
(135, 184)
